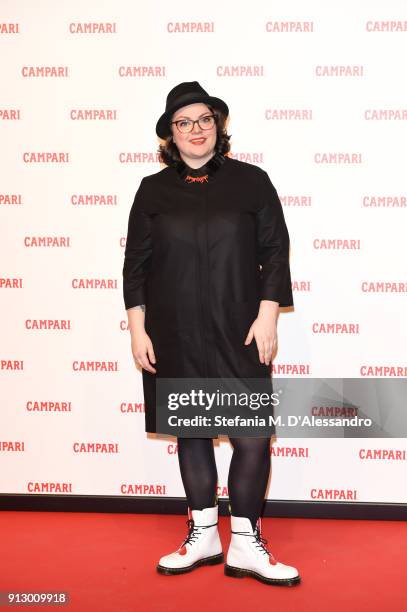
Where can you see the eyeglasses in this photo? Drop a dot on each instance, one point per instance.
(187, 125)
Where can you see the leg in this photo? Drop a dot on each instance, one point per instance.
(202, 546)
(248, 476)
(199, 475)
(247, 555)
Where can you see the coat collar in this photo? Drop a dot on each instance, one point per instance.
(210, 168)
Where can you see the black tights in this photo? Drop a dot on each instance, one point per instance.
(248, 474)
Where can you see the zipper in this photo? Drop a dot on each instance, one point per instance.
(203, 274)
(201, 308)
(206, 279)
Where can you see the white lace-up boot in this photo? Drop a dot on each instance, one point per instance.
(248, 556)
(202, 546)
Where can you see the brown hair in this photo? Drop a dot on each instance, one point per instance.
(168, 152)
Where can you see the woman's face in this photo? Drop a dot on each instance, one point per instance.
(198, 143)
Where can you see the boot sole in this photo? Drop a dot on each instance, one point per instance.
(238, 572)
(170, 571)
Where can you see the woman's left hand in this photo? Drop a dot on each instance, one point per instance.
(264, 330)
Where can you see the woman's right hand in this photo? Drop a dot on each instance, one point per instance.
(143, 351)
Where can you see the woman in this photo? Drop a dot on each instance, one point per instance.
(206, 268)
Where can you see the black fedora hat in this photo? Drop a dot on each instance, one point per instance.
(182, 95)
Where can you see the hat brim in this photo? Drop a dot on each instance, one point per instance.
(163, 124)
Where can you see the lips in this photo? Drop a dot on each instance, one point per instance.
(198, 140)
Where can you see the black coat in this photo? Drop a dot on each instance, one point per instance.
(193, 257)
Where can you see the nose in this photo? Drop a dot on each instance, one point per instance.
(196, 129)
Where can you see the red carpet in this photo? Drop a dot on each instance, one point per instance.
(107, 562)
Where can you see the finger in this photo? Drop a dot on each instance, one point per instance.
(249, 336)
(142, 359)
(267, 353)
(137, 364)
(147, 366)
(261, 349)
(268, 349)
(150, 352)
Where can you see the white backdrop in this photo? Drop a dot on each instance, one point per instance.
(317, 97)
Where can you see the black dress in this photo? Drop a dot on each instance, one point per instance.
(203, 248)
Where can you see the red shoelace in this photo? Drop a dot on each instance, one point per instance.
(262, 541)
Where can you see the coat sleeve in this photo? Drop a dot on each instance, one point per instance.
(138, 250)
(273, 244)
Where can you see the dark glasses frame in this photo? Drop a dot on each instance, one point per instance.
(195, 121)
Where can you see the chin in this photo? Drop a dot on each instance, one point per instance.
(200, 153)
